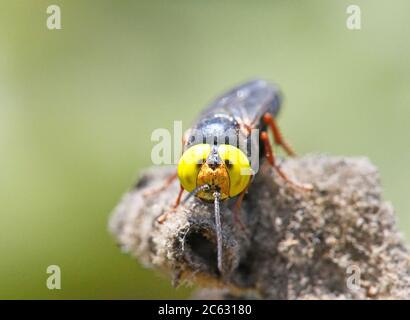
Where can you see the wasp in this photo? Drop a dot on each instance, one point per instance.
(221, 147)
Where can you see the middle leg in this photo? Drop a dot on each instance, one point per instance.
(164, 216)
(270, 156)
(270, 121)
(237, 210)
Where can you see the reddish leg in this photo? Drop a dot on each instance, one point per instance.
(166, 184)
(272, 161)
(269, 120)
(236, 212)
(164, 216)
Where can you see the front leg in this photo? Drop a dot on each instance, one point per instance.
(161, 219)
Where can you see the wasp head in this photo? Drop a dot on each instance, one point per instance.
(213, 173)
(222, 168)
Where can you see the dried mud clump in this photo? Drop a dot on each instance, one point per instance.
(339, 241)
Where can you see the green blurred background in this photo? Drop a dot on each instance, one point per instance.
(78, 105)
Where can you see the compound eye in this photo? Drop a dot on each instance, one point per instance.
(190, 164)
(238, 167)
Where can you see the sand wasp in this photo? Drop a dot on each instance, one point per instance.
(221, 147)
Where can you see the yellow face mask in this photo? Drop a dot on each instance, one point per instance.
(230, 176)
